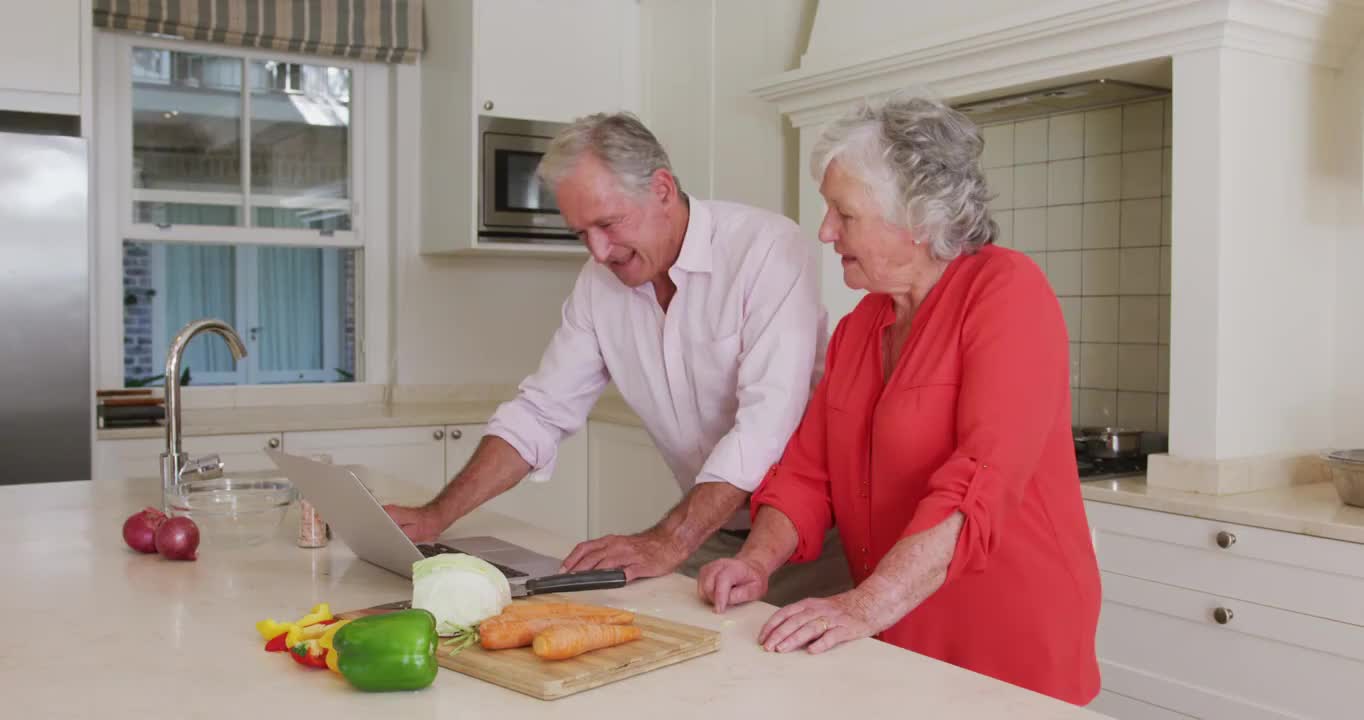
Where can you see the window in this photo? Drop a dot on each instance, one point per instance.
(238, 176)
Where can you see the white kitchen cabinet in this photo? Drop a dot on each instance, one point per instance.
(537, 60)
(141, 458)
(1216, 620)
(555, 502)
(410, 454)
(555, 61)
(40, 56)
(629, 487)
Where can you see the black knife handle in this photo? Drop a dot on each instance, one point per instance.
(573, 582)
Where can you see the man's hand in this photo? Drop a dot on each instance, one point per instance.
(420, 524)
(648, 554)
(731, 581)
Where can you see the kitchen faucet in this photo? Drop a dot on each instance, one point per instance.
(175, 464)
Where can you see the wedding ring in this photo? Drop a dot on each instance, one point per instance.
(823, 625)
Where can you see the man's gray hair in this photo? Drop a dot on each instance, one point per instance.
(920, 161)
(619, 140)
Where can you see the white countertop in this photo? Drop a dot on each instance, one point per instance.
(94, 629)
(299, 418)
(1313, 509)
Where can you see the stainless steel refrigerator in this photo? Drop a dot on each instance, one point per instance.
(45, 398)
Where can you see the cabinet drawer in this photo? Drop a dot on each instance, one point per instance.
(1263, 662)
(1122, 707)
(141, 458)
(1293, 572)
(412, 454)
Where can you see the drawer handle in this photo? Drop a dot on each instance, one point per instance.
(439, 434)
(1225, 539)
(456, 434)
(1223, 615)
(273, 443)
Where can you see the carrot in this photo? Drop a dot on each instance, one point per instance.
(501, 633)
(573, 639)
(547, 609)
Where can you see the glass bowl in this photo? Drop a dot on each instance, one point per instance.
(234, 511)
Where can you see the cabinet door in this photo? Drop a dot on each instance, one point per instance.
(629, 486)
(414, 454)
(39, 54)
(141, 458)
(553, 60)
(557, 503)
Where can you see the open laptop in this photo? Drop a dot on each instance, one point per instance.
(341, 497)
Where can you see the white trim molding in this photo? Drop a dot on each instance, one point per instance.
(1070, 39)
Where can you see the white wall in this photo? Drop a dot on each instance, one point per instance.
(486, 320)
(701, 60)
(1349, 300)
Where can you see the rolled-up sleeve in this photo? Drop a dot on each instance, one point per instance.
(798, 485)
(1014, 385)
(781, 334)
(555, 401)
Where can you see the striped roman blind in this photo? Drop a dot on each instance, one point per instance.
(382, 30)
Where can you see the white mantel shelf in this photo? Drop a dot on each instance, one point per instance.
(1044, 42)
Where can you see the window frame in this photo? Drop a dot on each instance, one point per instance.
(370, 149)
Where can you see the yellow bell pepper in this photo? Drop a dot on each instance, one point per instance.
(326, 643)
(269, 629)
(298, 634)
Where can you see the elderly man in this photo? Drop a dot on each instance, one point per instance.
(704, 314)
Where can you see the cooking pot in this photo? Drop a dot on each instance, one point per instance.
(1109, 442)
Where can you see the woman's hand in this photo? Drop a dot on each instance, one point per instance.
(823, 623)
(731, 581)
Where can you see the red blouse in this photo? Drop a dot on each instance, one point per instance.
(976, 417)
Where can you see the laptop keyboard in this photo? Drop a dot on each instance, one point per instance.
(428, 550)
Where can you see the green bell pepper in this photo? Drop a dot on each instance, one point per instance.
(395, 651)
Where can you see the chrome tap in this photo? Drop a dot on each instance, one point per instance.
(175, 464)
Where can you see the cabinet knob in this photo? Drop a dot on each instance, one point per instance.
(439, 434)
(273, 443)
(456, 434)
(487, 104)
(1222, 615)
(1225, 539)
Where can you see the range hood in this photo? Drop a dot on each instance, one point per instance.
(1057, 99)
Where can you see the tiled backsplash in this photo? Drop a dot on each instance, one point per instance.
(1087, 196)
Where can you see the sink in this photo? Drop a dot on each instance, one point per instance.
(238, 510)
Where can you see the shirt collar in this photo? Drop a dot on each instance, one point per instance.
(695, 255)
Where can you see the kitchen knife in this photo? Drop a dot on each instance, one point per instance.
(569, 582)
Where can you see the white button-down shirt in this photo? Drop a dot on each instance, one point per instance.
(720, 380)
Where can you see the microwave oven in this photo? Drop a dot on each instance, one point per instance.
(513, 205)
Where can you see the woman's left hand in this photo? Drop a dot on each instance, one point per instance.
(823, 623)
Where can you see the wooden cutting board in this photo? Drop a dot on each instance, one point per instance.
(664, 643)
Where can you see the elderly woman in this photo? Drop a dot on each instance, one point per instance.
(939, 439)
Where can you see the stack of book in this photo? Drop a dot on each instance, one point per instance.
(128, 408)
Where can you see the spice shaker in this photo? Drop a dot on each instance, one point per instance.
(313, 531)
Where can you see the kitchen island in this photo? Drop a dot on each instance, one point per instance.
(94, 629)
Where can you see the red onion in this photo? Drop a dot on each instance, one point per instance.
(139, 530)
(177, 539)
